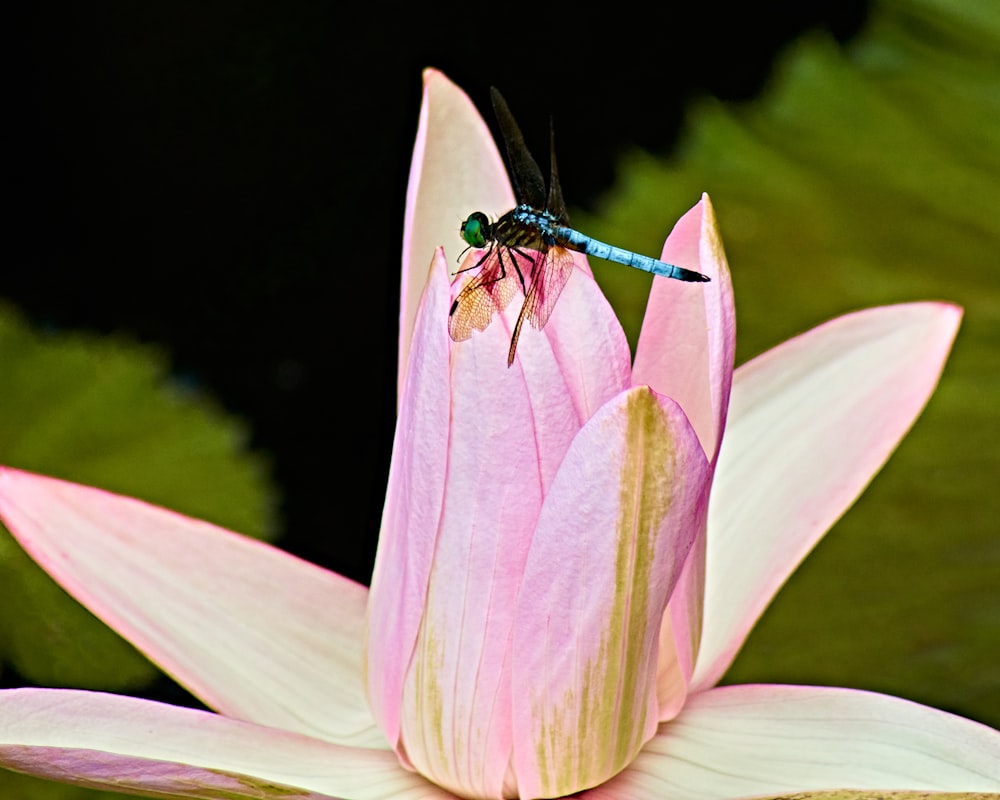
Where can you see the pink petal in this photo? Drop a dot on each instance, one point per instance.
(579, 362)
(477, 444)
(456, 169)
(614, 533)
(740, 741)
(498, 465)
(465, 489)
(123, 744)
(214, 609)
(412, 508)
(583, 344)
(687, 343)
(811, 423)
(685, 351)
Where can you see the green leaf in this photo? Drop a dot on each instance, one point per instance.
(865, 175)
(15, 785)
(103, 411)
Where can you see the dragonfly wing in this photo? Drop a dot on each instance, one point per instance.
(555, 203)
(529, 185)
(549, 278)
(488, 292)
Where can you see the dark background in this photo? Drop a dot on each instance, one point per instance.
(227, 181)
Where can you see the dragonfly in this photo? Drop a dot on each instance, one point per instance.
(528, 248)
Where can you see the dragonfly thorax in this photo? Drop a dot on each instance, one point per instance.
(522, 226)
(533, 225)
(533, 218)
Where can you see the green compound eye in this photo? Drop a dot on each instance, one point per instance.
(474, 229)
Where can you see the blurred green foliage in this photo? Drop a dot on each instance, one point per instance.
(103, 411)
(863, 176)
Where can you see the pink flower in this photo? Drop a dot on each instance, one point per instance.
(571, 555)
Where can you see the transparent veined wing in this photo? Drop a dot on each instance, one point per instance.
(486, 293)
(551, 271)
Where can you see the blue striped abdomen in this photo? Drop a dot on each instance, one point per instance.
(574, 240)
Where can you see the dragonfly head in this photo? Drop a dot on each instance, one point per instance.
(475, 229)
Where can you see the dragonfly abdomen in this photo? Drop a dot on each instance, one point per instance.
(574, 240)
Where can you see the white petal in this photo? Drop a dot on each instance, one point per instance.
(740, 741)
(810, 423)
(125, 744)
(254, 632)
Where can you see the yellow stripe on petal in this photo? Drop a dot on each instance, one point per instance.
(618, 522)
(427, 743)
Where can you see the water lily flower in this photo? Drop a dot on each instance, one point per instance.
(572, 552)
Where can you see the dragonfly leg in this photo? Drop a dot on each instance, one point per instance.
(515, 252)
(479, 263)
(513, 262)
